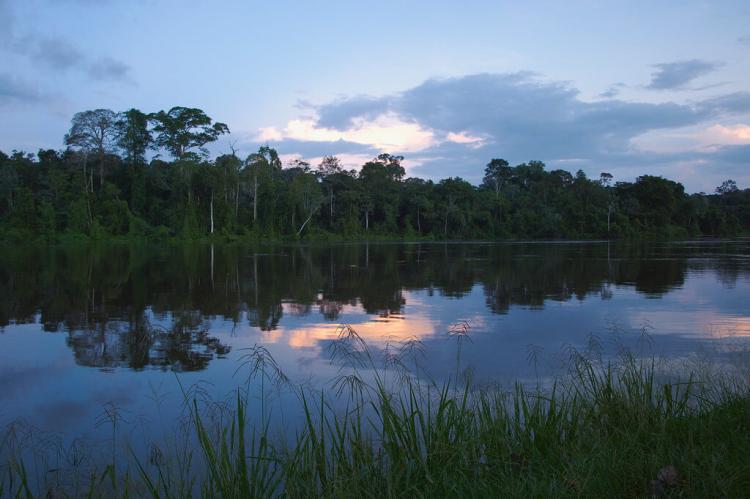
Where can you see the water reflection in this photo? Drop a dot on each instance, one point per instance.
(143, 306)
(185, 346)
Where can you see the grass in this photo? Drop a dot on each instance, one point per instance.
(607, 429)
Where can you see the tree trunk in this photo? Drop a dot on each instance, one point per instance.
(86, 186)
(255, 197)
(85, 175)
(367, 220)
(330, 195)
(303, 225)
(212, 218)
(419, 225)
(101, 171)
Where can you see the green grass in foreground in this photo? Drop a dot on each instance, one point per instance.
(604, 431)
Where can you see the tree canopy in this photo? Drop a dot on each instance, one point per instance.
(53, 193)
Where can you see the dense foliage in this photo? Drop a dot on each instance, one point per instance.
(102, 185)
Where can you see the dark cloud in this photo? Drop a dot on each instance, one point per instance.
(59, 54)
(676, 75)
(734, 154)
(56, 53)
(734, 103)
(6, 21)
(106, 68)
(13, 90)
(524, 118)
(527, 118)
(612, 91)
(341, 113)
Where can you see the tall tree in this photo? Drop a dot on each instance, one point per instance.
(262, 163)
(93, 132)
(604, 180)
(381, 179)
(496, 174)
(184, 128)
(230, 167)
(133, 135)
(329, 166)
(726, 187)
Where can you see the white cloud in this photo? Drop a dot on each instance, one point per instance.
(732, 134)
(269, 133)
(693, 139)
(387, 132)
(465, 138)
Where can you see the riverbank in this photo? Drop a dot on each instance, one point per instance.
(77, 239)
(604, 430)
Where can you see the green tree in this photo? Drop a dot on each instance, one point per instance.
(93, 132)
(261, 166)
(328, 168)
(182, 129)
(133, 135)
(496, 174)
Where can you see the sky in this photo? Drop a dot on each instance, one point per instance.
(630, 88)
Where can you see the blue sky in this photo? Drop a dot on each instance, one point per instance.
(625, 87)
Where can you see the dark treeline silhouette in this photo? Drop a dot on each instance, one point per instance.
(102, 185)
(150, 305)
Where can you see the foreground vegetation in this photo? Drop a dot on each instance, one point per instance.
(605, 430)
(103, 186)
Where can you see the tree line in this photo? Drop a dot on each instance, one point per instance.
(113, 180)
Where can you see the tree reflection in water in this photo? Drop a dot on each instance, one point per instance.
(111, 299)
(137, 344)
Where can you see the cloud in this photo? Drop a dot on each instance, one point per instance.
(520, 116)
(6, 21)
(55, 52)
(455, 125)
(612, 91)
(744, 40)
(733, 134)
(699, 138)
(734, 103)
(386, 132)
(473, 141)
(523, 117)
(310, 148)
(14, 90)
(676, 75)
(738, 155)
(340, 114)
(106, 68)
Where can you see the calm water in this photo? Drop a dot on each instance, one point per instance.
(83, 328)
